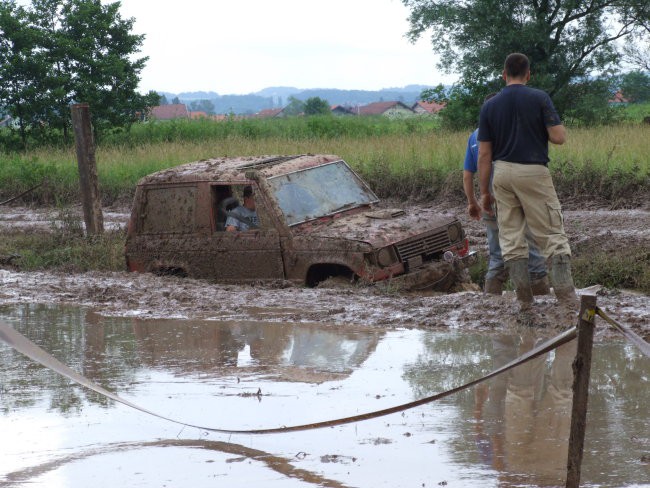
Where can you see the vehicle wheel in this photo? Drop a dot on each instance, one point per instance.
(336, 282)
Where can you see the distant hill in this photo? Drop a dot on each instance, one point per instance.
(279, 97)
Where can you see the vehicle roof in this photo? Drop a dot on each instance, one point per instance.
(235, 168)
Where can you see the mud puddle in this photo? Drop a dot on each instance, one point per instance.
(247, 374)
(47, 218)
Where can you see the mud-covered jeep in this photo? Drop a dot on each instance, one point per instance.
(317, 219)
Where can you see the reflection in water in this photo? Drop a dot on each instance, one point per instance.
(306, 353)
(278, 464)
(511, 431)
(523, 417)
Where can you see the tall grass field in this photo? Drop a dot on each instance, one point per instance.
(407, 159)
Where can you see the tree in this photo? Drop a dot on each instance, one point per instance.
(81, 51)
(176, 101)
(22, 67)
(202, 106)
(567, 41)
(636, 86)
(295, 107)
(317, 106)
(163, 100)
(637, 52)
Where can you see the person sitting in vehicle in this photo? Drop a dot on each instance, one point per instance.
(243, 217)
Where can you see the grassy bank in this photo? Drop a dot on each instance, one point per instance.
(629, 268)
(608, 165)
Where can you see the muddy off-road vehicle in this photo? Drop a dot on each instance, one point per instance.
(317, 220)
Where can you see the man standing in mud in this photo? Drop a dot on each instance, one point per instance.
(496, 274)
(514, 129)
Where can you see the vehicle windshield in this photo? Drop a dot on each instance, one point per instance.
(320, 191)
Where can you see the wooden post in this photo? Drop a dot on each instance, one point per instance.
(85, 145)
(581, 372)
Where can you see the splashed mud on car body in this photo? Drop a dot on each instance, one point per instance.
(317, 219)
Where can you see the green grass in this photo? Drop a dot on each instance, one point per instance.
(414, 161)
(636, 112)
(64, 247)
(629, 269)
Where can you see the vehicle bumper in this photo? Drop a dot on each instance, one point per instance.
(438, 275)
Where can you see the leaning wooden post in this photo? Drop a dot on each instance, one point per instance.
(85, 145)
(581, 372)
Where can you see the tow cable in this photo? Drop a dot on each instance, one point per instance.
(23, 345)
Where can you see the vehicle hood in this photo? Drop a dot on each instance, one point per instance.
(377, 227)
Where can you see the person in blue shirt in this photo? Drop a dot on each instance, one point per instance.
(496, 274)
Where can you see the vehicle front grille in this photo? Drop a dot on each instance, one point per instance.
(423, 245)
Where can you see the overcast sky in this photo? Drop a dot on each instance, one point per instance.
(242, 46)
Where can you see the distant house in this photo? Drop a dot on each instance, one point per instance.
(387, 109)
(270, 113)
(425, 108)
(618, 100)
(197, 114)
(168, 112)
(341, 110)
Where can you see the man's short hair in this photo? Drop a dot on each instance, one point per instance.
(517, 65)
(248, 191)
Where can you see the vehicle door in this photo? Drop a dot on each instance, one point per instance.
(243, 254)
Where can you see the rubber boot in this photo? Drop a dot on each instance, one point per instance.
(540, 286)
(562, 281)
(493, 286)
(518, 271)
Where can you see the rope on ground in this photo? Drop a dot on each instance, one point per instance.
(629, 335)
(23, 345)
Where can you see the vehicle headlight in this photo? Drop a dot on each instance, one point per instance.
(386, 257)
(454, 232)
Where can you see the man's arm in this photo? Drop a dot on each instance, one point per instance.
(484, 171)
(473, 207)
(556, 134)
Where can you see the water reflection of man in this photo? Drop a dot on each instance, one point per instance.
(523, 418)
(244, 217)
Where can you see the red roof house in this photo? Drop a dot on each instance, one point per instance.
(270, 112)
(168, 112)
(422, 107)
(618, 100)
(389, 109)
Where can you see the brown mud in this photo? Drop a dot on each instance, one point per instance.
(146, 295)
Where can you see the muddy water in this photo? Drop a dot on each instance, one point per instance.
(511, 431)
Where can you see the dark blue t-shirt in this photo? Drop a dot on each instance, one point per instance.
(515, 121)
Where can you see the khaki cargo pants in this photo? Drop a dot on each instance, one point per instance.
(525, 195)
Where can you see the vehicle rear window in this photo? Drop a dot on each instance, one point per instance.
(169, 210)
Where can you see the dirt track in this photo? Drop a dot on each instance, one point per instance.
(146, 295)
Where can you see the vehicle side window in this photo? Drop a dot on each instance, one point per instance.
(236, 210)
(169, 210)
